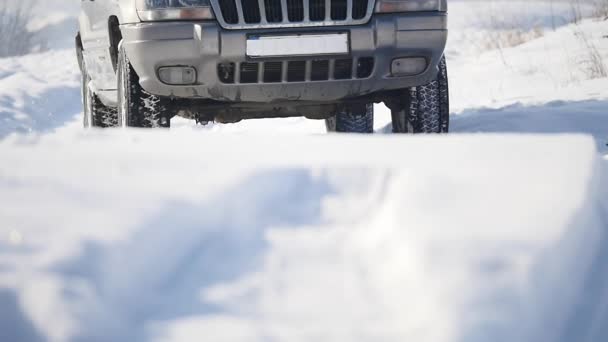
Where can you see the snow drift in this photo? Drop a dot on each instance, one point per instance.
(148, 237)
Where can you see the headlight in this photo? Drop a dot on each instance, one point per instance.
(153, 10)
(390, 6)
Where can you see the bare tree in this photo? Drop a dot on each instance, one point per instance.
(552, 16)
(600, 9)
(15, 38)
(575, 9)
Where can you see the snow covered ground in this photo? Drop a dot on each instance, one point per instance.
(273, 231)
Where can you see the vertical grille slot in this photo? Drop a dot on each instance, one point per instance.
(249, 72)
(338, 9)
(296, 71)
(365, 67)
(317, 10)
(251, 11)
(295, 10)
(273, 72)
(229, 12)
(319, 71)
(359, 9)
(225, 72)
(274, 13)
(343, 69)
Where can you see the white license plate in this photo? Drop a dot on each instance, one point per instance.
(298, 45)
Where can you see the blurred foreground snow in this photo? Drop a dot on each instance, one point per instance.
(132, 236)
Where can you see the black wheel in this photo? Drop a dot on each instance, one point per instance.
(136, 107)
(96, 114)
(354, 119)
(425, 109)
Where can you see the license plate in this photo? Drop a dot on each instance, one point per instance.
(298, 45)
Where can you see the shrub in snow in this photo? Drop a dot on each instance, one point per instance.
(15, 38)
(498, 39)
(601, 8)
(503, 28)
(593, 64)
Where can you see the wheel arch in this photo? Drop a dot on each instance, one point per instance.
(115, 37)
(79, 49)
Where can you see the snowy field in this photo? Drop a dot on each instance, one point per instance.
(274, 231)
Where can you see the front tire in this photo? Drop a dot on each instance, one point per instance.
(357, 118)
(137, 107)
(426, 108)
(96, 114)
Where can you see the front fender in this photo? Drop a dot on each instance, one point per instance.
(127, 12)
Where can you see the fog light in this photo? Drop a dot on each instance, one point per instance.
(177, 75)
(408, 66)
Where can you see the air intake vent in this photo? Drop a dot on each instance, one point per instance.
(318, 70)
(343, 69)
(249, 72)
(296, 71)
(273, 71)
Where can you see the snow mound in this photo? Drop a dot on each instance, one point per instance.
(39, 92)
(555, 67)
(139, 236)
(588, 117)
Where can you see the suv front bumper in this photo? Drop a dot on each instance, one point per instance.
(205, 45)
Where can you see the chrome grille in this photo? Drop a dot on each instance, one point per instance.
(248, 14)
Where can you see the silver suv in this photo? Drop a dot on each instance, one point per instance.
(146, 61)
